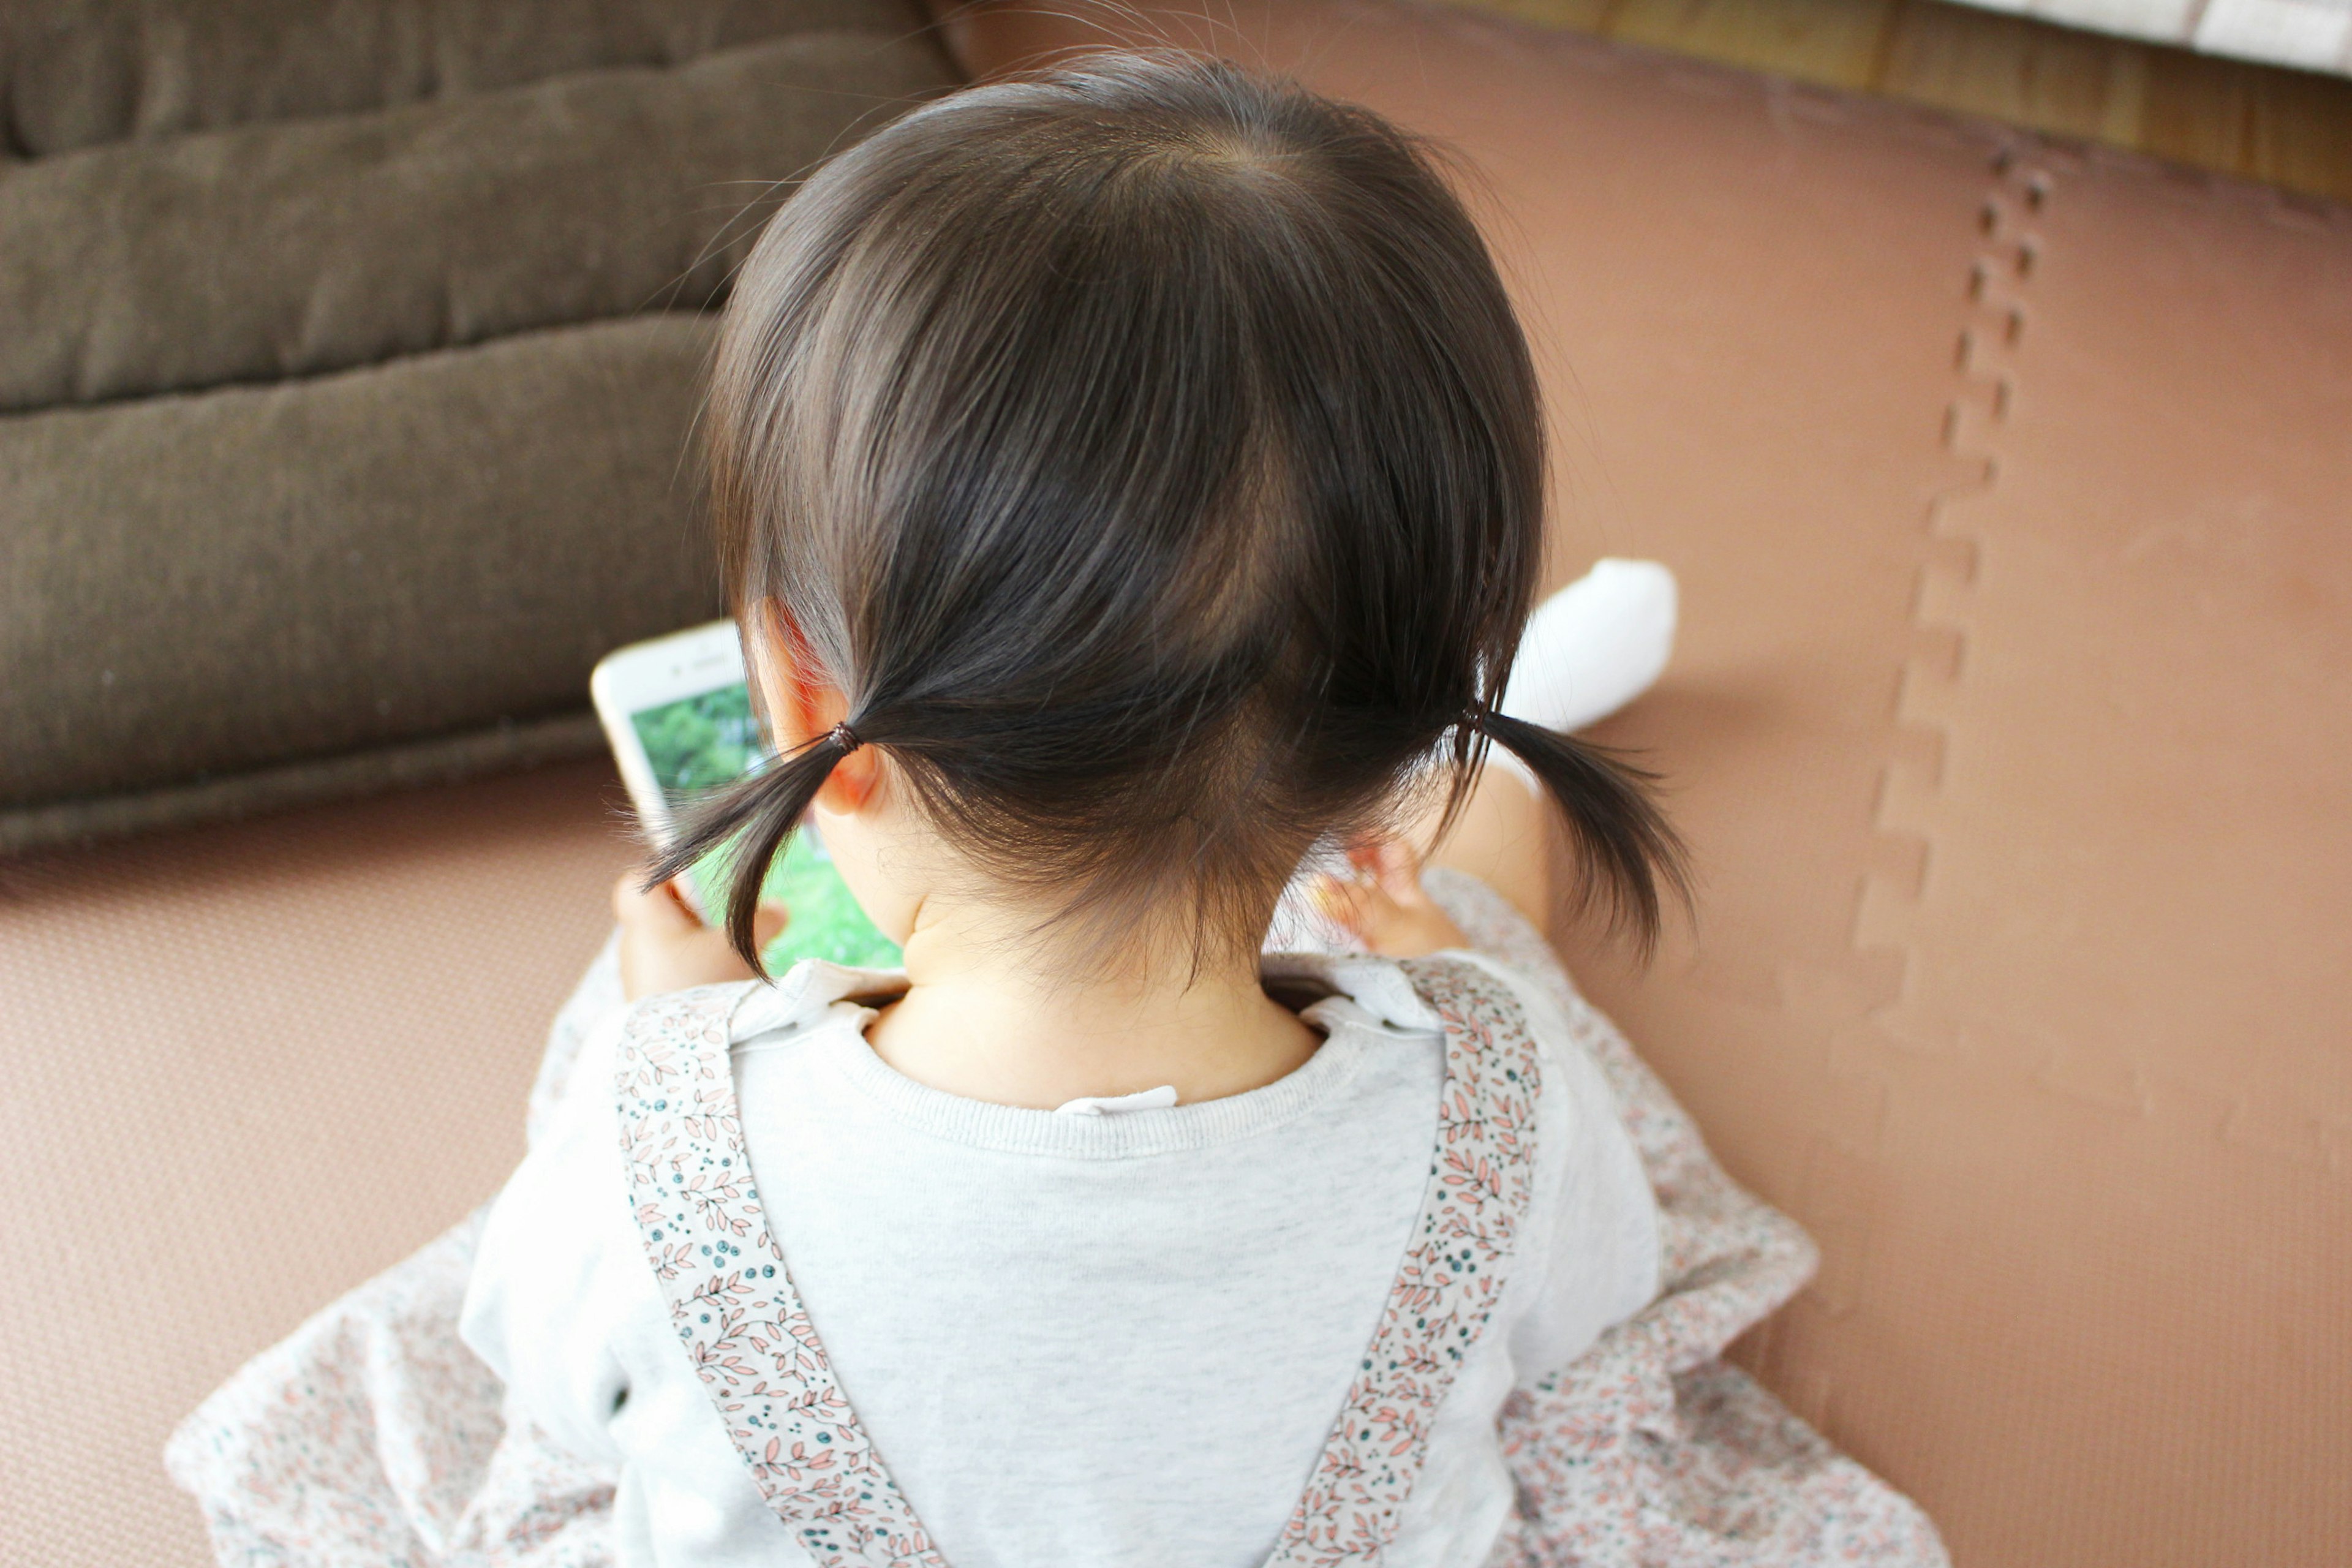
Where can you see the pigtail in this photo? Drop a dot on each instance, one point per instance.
(1626, 851)
(751, 819)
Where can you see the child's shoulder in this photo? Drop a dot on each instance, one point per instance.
(757, 1013)
(1536, 1019)
(1489, 1010)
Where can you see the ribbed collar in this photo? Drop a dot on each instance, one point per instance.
(1368, 1004)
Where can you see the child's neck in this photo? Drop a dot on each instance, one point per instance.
(977, 1024)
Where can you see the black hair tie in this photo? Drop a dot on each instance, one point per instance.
(844, 737)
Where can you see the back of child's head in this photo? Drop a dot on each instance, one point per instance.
(1150, 455)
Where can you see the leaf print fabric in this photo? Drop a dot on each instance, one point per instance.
(739, 1319)
(373, 1436)
(750, 1338)
(1651, 1449)
(1452, 1277)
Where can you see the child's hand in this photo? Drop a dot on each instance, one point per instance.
(1383, 903)
(665, 948)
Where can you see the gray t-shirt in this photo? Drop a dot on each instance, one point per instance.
(1076, 1341)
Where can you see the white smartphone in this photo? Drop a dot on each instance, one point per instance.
(678, 712)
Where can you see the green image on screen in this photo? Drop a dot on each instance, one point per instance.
(699, 743)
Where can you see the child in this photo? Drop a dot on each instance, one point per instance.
(1128, 480)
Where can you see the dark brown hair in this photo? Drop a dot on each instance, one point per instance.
(1149, 453)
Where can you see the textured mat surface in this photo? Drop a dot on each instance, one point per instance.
(2008, 487)
(246, 1069)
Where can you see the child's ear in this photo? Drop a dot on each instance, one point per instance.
(801, 701)
(779, 660)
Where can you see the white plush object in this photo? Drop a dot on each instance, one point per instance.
(1594, 645)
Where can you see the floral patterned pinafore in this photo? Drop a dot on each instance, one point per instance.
(372, 1437)
(743, 1327)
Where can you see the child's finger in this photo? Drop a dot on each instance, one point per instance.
(1335, 900)
(1384, 905)
(768, 923)
(1360, 905)
(1390, 865)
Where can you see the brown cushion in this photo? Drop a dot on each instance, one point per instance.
(268, 530)
(216, 583)
(79, 73)
(288, 249)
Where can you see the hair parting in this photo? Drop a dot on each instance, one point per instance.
(1148, 453)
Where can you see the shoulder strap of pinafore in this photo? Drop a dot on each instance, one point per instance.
(1481, 1176)
(743, 1327)
(732, 1299)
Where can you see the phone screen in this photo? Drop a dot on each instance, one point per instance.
(712, 738)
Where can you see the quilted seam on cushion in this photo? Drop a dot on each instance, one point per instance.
(256, 575)
(278, 250)
(81, 73)
(348, 355)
